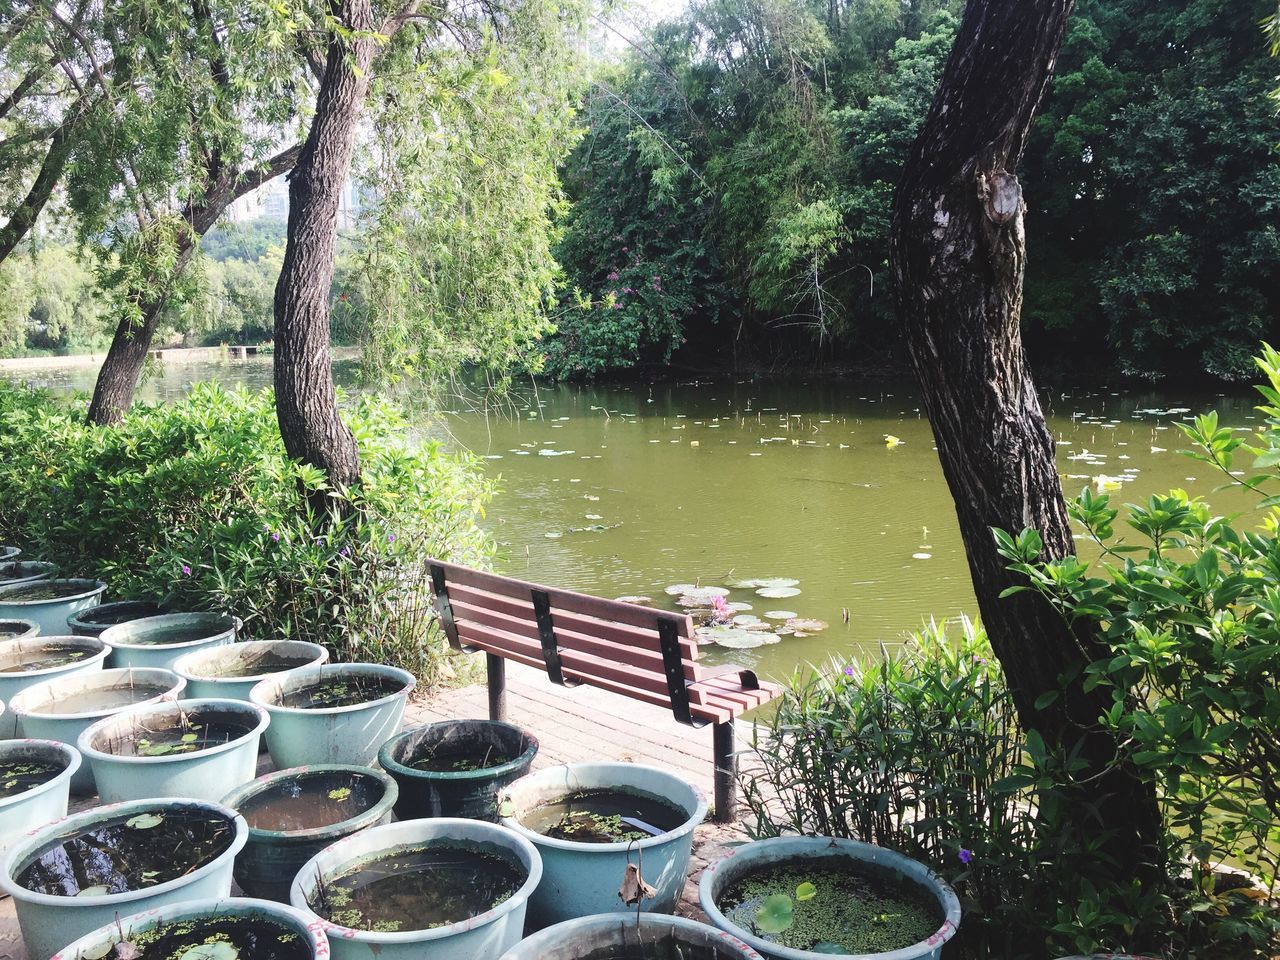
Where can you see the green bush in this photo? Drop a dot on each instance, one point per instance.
(195, 503)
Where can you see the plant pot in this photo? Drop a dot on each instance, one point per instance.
(18, 629)
(232, 670)
(159, 641)
(483, 936)
(190, 914)
(49, 922)
(32, 808)
(26, 571)
(581, 879)
(470, 793)
(64, 708)
(50, 614)
(647, 936)
(303, 735)
(91, 622)
(801, 851)
(15, 653)
(290, 820)
(125, 769)
(8, 553)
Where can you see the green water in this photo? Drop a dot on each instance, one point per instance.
(701, 483)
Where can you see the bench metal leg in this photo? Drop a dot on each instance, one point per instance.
(726, 773)
(496, 668)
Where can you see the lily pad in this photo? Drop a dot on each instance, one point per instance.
(97, 890)
(144, 821)
(634, 599)
(98, 952)
(781, 614)
(775, 914)
(778, 593)
(807, 624)
(680, 589)
(745, 640)
(806, 891)
(745, 619)
(770, 582)
(553, 535)
(739, 607)
(702, 595)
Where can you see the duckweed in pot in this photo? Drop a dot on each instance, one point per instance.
(247, 936)
(19, 775)
(342, 691)
(604, 816)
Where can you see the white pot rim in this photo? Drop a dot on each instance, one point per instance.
(182, 666)
(41, 639)
(170, 617)
(84, 743)
(261, 694)
(68, 751)
(18, 704)
(96, 590)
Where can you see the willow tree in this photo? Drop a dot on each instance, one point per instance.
(958, 254)
(467, 108)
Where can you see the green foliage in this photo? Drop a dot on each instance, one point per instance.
(195, 503)
(49, 302)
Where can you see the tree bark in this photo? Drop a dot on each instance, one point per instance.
(28, 212)
(958, 256)
(306, 400)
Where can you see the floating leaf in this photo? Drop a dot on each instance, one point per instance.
(744, 640)
(806, 891)
(706, 594)
(807, 624)
(745, 619)
(340, 794)
(771, 582)
(553, 535)
(680, 589)
(634, 599)
(145, 821)
(775, 914)
(778, 593)
(97, 952)
(190, 737)
(739, 606)
(781, 614)
(97, 890)
(769, 638)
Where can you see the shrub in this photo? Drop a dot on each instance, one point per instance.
(195, 503)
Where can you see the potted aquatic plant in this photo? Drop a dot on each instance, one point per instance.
(232, 670)
(26, 571)
(231, 928)
(49, 602)
(35, 777)
(18, 629)
(159, 641)
(91, 622)
(441, 889)
(63, 708)
(294, 814)
(161, 852)
(456, 768)
(333, 713)
(798, 898)
(644, 936)
(597, 823)
(182, 748)
(32, 660)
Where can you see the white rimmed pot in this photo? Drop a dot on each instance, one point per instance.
(631, 935)
(8, 553)
(50, 615)
(136, 927)
(220, 671)
(18, 629)
(481, 937)
(48, 922)
(41, 804)
(14, 652)
(299, 736)
(202, 774)
(785, 851)
(582, 879)
(159, 641)
(54, 710)
(91, 622)
(26, 571)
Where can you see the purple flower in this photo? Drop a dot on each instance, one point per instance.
(391, 538)
(345, 552)
(848, 671)
(966, 856)
(613, 274)
(186, 571)
(275, 537)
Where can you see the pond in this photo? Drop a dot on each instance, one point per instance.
(625, 490)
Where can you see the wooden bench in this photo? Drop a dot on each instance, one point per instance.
(635, 651)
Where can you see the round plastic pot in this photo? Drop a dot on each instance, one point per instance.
(206, 670)
(51, 615)
(8, 553)
(765, 854)
(299, 736)
(18, 629)
(48, 923)
(461, 793)
(104, 938)
(143, 643)
(49, 710)
(26, 571)
(582, 879)
(13, 683)
(272, 858)
(200, 775)
(91, 622)
(481, 937)
(653, 936)
(37, 806)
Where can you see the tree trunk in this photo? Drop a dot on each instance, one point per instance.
(28, 212)
(306, 401)
(958, 254)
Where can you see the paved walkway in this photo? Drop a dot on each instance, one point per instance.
(585, 723)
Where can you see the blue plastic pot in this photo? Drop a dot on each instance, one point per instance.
(159, 641)
(49, 923)
(39, 805)
(272, 858)
(26, 571)
(130, 928)
(13, 680)
(582, 879)
(206, 669)
(55, 710)
(481, 937)
(8, 553)
(630, 935)
(300, 736)
(18, 629)
(51, 615)
(459, 793)
(91, 622)
(778, 851)
(202, 775)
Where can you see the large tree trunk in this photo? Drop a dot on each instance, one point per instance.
(28, 212)
(306, 401)
(958, 255)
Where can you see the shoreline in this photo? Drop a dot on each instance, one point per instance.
(163, 355)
